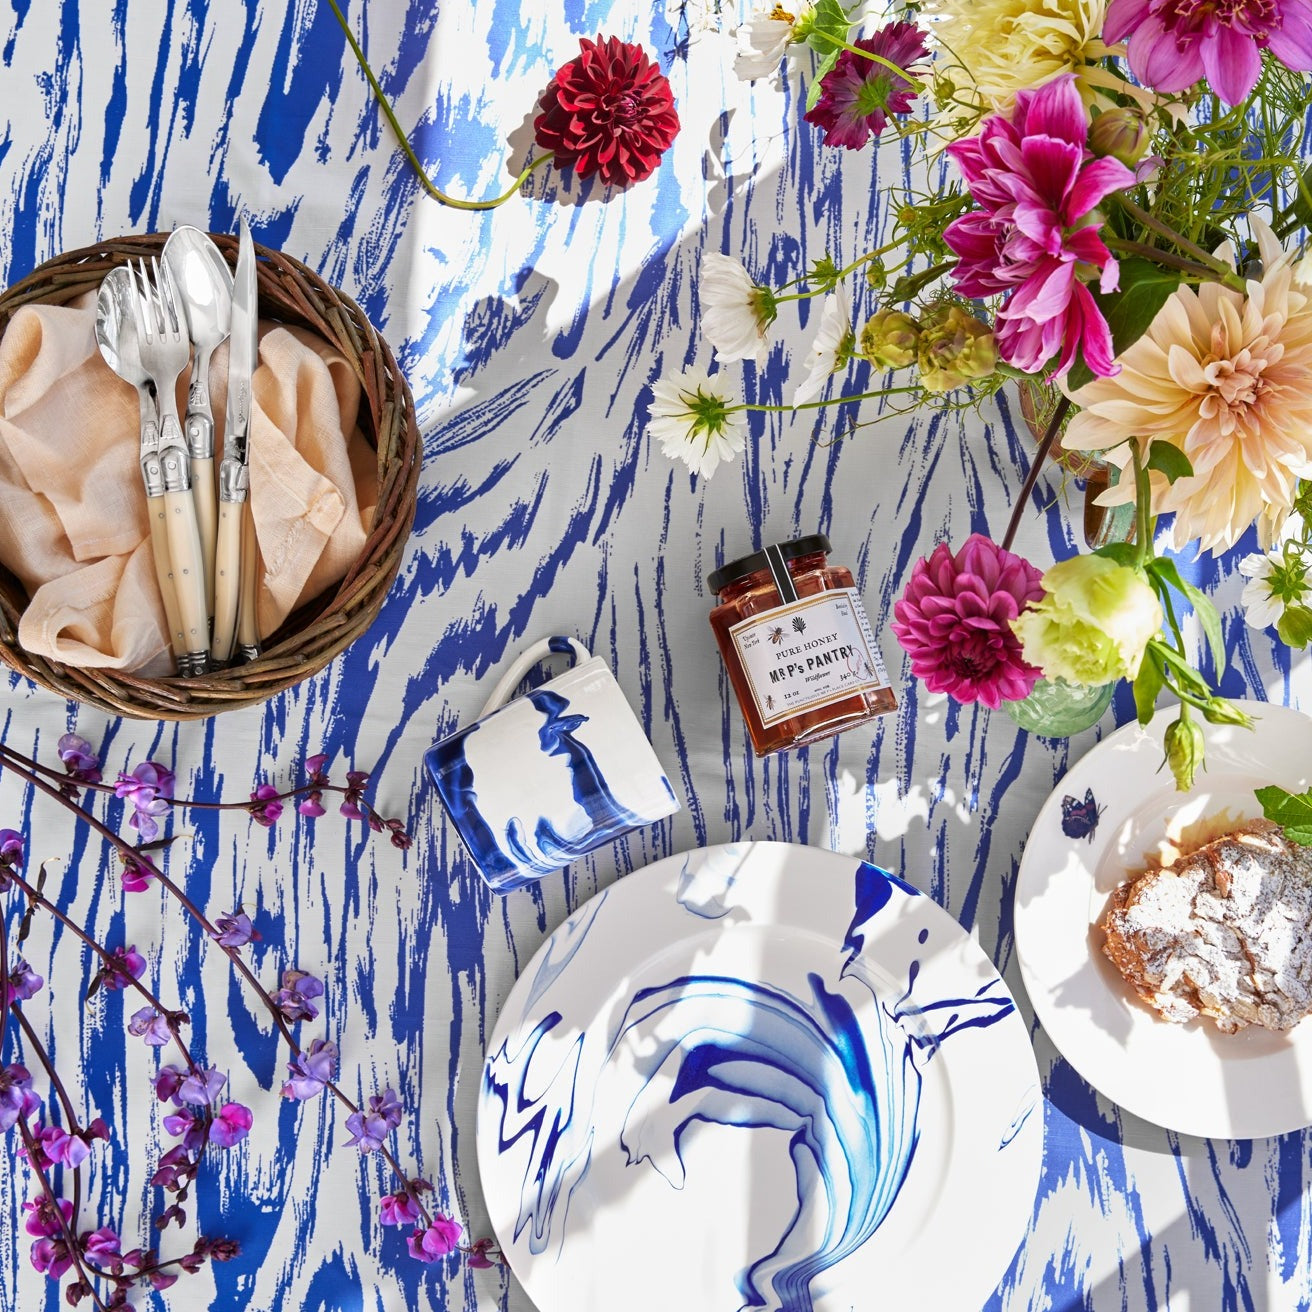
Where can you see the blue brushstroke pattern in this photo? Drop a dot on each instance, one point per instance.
(544, 507)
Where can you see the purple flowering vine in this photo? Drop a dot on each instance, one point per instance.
(295, 998)
(311, 1071)
(197, 1116)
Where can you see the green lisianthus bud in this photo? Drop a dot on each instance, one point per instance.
(1121, 133)
(1185, 750)
(890, 339)
(955, 348)
(1221, 711)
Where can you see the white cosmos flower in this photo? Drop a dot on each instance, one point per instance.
(1277, 579)
(736, 313)
(764, 39)
(693, 418)
(832, 348)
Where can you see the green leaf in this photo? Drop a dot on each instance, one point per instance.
(1165, 569)
(1143, 291)
(829, 29)
(1291, 811)
(1184, 673)
(1146, 687)
(1295, 626)
(1123, 553)
(1169, 460)
(814, 91)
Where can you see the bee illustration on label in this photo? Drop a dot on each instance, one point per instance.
(769, 701)
(776, 634)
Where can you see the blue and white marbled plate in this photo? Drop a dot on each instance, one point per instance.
(759, 1076)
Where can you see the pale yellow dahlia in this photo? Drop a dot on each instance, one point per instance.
(993, 48)
(1226, 377)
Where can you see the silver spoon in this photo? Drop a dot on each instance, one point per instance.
(116, 335)
(205, 282)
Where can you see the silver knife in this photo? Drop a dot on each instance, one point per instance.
(234, 468)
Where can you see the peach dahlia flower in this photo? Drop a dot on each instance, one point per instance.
(1225, 376)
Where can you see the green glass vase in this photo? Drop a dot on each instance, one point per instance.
(1057, 709)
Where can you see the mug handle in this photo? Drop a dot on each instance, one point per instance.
(538, 652)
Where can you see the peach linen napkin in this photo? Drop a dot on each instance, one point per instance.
(73, 523)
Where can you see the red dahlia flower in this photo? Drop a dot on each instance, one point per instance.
(954, 621)
(610, 112)
(858, 94)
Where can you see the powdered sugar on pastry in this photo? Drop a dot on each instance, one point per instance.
(1225, 932)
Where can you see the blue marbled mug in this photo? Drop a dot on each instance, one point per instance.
(536, 782)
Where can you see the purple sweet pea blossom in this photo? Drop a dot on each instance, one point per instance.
(80, 760)
(124, 964)
(312, 805)
(51, 1257)
(314, 767)
(441, 1238)
(184, 1124)
(137, 875)
(55, 1147)
(235, 931)
(104, 1248)
(167, 1083)
(265, 807)
(311, 1071)
(398, 1209)
(355, 782)
(231, 1125)
(150, 1025)
(477, 1257)
(24, 982)
(176, 1164)
(369, 1129)
(16, 1097)
(294, 998)
(202, 1088)
(11, 849)
(41, 1220)
(146, 788)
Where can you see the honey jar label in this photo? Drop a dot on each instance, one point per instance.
(808, 653)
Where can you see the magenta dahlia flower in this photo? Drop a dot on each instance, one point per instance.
(1037, 184)
(609, 111)
(1173, 43)
(857, 95)
(954, 621)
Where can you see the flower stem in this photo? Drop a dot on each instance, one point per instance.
(816, 405)
(1032, 477)
(1143, 511)
(1169, 260)
(1152, 222)
(455, 202)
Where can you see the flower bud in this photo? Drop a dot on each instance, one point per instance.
(1121, 133)
(1184, 750)
(1220, 711)
(889, 339)
(954, 348)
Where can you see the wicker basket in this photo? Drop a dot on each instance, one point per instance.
(315, 633)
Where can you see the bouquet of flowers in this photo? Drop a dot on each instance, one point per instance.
(1111, 218)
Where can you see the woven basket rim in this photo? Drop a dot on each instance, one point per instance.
(292, 292)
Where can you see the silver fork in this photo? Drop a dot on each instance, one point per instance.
(165, 354)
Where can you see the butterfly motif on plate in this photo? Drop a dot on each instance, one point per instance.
(1080, 819)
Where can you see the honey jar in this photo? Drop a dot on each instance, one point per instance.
(797, 645)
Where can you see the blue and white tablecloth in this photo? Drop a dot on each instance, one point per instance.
(530, 335)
